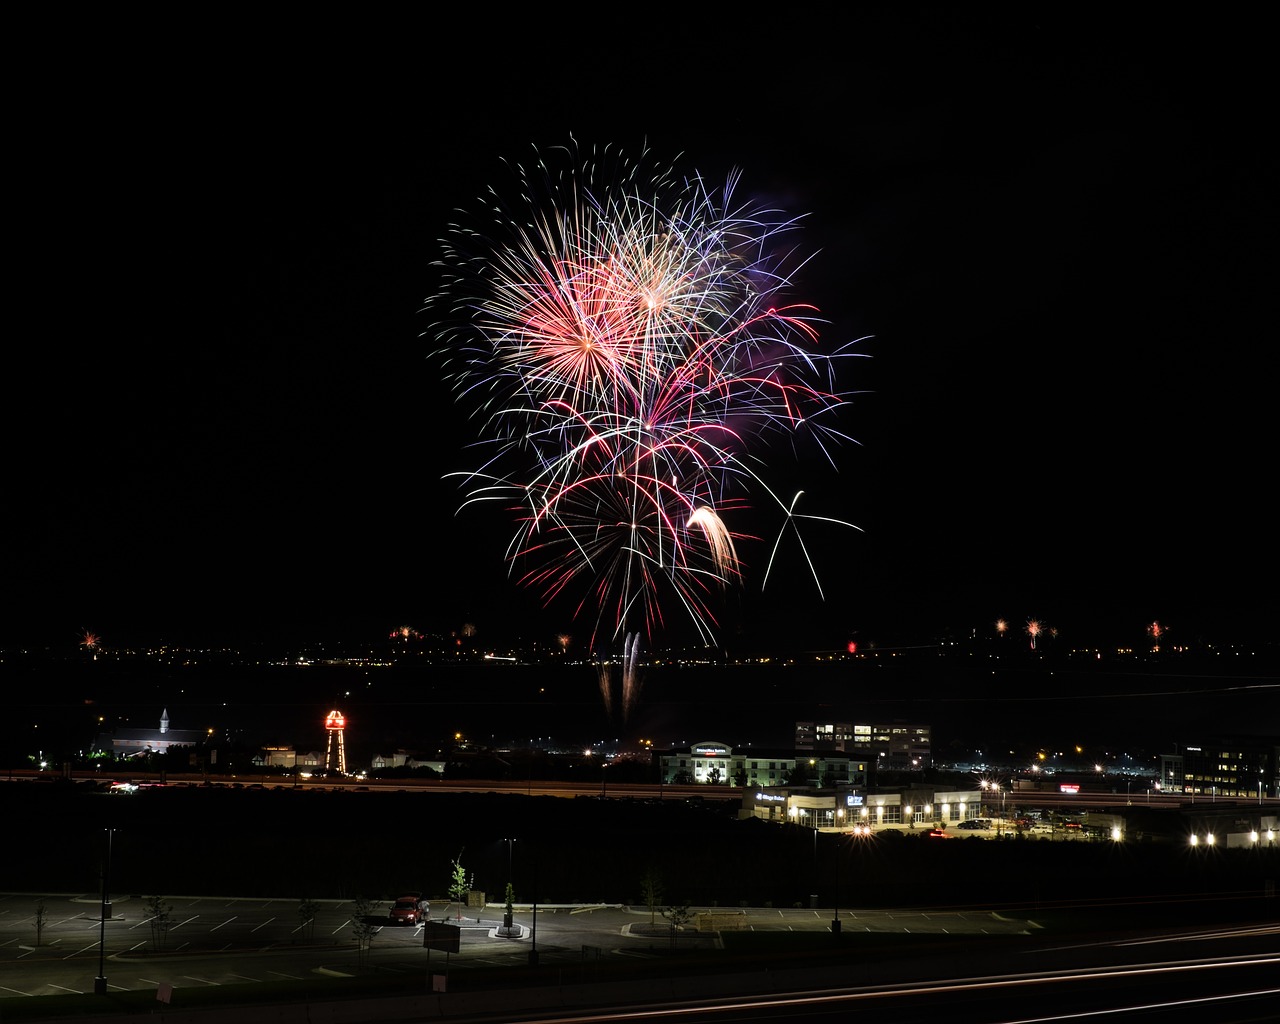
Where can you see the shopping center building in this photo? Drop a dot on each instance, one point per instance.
(820, 789)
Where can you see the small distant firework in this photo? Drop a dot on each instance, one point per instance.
(90, 641)
(1034, 630)
(405, 633)
(1002, 627)
(625, 339)
(1155, 631)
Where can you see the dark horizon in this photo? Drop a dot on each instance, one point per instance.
(972, 698)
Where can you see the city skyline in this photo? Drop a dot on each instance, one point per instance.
(1048, 242)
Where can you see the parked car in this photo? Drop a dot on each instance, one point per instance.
(972, 823)
(407, 910)
(1072, 826)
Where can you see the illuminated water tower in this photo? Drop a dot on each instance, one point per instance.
(335, 724)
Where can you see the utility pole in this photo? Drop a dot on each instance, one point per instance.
(100, 982)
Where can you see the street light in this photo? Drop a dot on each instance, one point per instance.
(835, 921)
(533, 949)
(100, 982)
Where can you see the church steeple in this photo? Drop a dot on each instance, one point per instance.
(164, 720)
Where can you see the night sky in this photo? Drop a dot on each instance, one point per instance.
(1056, 232)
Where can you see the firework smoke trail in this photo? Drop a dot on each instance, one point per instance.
(625, 342)
(605, 673)
(630, 673)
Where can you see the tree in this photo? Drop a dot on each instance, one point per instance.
(740, 777)
(798, 775)
(363, 926)
(715, 776)
(683, 777)
(160, 913)
(39, 920)
(510, 899)
(458, 885)
(651, 892)
(678, 916)
(307, 913)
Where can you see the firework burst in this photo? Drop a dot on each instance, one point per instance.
(626, 340)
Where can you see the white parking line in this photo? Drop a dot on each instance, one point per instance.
(14, 991)
(265, 923)
(64, 988)
(203, 981)
(281, 974)
(217, 926)
(82, 949)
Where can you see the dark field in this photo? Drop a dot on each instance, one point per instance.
(327, 845)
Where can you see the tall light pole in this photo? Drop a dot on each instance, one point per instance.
(100, 982)
(533, 950)
(835, 921)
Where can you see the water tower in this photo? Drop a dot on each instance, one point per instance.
(335, 723)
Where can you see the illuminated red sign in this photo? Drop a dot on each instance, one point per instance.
(335, 720)
(1068, 787)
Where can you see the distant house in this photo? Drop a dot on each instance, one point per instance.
(126, 742)
(405, 759)
(288, 757)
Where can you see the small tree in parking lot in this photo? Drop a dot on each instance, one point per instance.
(39, 921)
(678, 916)
(651, 892)
(363, 927)
(458, 884)
(160, 913)
(307, 913)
